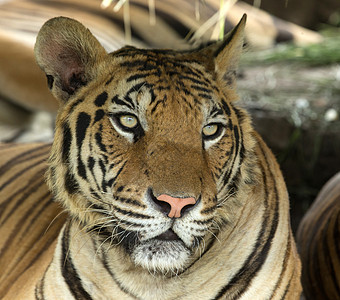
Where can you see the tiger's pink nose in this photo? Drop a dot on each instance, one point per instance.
(177, 205)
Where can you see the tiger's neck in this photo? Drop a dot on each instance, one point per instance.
(112, 275)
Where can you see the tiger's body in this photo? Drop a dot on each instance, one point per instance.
(170, 192)
(28, 231)
(318, 240)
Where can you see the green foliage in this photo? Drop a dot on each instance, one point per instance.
(325, 53)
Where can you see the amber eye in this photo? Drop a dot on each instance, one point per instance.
(210, 130)
(128, 121)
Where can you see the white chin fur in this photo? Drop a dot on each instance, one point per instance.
(163, 256)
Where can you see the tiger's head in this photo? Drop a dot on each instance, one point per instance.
(150, 153)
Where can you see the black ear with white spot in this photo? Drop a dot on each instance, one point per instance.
(68, 53)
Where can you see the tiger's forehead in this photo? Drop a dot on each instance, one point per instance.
(171, 78)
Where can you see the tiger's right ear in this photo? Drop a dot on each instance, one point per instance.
(68, 53)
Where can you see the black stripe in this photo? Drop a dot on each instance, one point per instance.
(189, 70)
(202, 89)
(128, 102)
(211, 243)
(66, 144)
(99, 115)
(131, 213)
(241, 116)
(101, 99)
(208, 210)
(68, 270)
(130, 201)
(111, 181)
(104, 261)
(136, 88)
(90, 166)
(335, 237)
(216, 111)
(98, 138)
(74, 105)
(197, 82)
(27, 222)
(326, 257)
(159, 102)
(90, 163)
(204, 222)
(285, 264)
(227, 179)
(83, 122)
(133, 63)
(226, 107)
(109, 80)
(24, 156)
(205, 96)
(103, 169)
(288, 287)
(52, 235)
(138, 76)
(39, 288)
(256, 259)
(23, 191)
(317, 260)
(71, 184)
(235, 146)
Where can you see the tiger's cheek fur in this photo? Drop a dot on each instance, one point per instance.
(79, 155)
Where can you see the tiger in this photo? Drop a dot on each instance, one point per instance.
(27, 106)
(30, 220)
(169, 191)
(318, 244)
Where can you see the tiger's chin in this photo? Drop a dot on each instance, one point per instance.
(160, 256)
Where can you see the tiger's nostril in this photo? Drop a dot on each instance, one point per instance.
(173, 207)
(162, 206)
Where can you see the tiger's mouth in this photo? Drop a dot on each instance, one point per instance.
(168, 235)
(165, 253)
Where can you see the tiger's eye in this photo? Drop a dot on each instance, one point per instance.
(210, 129)
(128, 121)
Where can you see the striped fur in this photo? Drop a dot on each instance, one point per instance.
(27, 233)
(118, 242)
(319, 244)
(23, 84)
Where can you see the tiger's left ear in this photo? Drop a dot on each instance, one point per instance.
(226, 53)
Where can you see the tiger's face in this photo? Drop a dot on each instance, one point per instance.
(148, 155)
